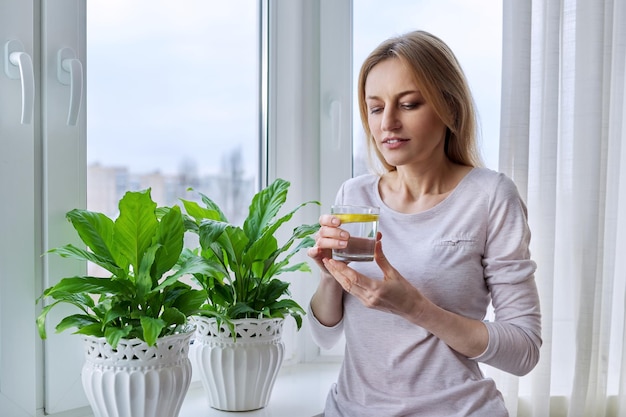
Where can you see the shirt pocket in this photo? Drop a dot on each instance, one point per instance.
(460, 242)
(455, 251)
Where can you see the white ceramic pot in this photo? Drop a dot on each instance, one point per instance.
(137, 380)
(238, 375)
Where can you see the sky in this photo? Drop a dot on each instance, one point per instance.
(160, 75)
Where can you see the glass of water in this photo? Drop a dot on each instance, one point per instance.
(362, 224)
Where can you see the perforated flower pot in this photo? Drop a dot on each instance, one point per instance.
(137, 380)
(238, 375)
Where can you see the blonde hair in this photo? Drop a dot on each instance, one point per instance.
(442, 83)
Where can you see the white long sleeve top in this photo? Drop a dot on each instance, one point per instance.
(469, 250)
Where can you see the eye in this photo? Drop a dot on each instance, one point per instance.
(375, 110)
(409, 106)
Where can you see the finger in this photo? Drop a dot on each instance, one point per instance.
(381, 259)
(332, 232)
(327, 243)
(329, 220)
(315, 252)
(332, 238)
(339, 271)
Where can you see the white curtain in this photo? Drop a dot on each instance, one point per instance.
(562, 132)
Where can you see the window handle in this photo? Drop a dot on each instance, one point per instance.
(70, 72)
(19, 65)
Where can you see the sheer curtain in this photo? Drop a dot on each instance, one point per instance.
(562, 128)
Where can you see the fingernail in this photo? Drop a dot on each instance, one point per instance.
(344, 235)
(343, 243)
(335, 221)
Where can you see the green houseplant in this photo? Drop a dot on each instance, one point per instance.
(245, 300)
(138, 315)
(244, 262)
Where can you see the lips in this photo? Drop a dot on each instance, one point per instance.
(392, 143)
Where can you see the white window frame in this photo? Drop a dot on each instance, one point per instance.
(310, 119)
(18, 223)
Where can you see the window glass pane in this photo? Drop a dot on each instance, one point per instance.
(473, 31)
(173, 93)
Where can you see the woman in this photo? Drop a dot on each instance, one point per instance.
(455, 238)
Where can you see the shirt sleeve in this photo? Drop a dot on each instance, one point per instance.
(515, 334)
(324, 336)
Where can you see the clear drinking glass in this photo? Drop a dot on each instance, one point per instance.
(362, 224)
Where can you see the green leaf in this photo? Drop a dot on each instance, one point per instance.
(201, 213)
(171, 231)
(41, 319)
(210, 204)
(72, 252)
(190, 224)
(298, 319)
(274, 289)
(114, 334)
(105, 304)
(161, 211)
(95, 230)
(77, 320)
(194, 265)
(173, 315)
(135, 228)
(151, 329)
(298, 233)
(189, 301)
(264, 207)
(233, 241)
(288, 306)
(265, 248)
(240, 310)
(89, 285)
(262, 249)
(210, 230)
(143, 279)
(221, 295)
(119, 310)
(94, 329)
(272, 267)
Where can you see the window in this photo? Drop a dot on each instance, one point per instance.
(166, 110)
(173, 101)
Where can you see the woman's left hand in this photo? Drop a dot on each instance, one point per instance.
(396, 295)
(393, 294)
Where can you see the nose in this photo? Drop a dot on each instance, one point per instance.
(390, 120)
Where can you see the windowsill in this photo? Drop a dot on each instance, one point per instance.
(300, 391)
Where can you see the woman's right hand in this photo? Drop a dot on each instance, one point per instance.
(327, 301)
(328, 237)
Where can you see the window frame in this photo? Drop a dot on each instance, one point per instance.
(19, 348)
(309, 114)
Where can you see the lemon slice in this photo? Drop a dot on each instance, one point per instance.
(356, 217)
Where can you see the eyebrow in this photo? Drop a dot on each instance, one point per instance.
(401, 94)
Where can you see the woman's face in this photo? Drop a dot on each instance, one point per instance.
(405, 127)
